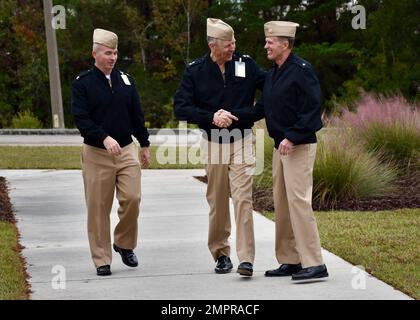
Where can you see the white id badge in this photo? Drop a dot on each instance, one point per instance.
(240, 69)
(125, 79)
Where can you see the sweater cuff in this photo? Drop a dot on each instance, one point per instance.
(144, 144)
(103, 137)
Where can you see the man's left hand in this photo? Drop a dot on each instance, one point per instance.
(145, 157)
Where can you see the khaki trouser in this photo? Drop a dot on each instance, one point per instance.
(231, 173)
(297, 239)
(104, 173)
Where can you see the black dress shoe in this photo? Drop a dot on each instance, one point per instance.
(103, 270)
(285, 270)
(245, 269)
(224, 265)
(311, 273)
(128, 256)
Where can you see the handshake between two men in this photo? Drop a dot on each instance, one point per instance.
(223, 118)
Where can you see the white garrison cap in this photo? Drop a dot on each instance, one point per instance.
(218, 29)
(106, 38)
(280, 29)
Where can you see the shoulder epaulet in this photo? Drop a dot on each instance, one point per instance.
(83, 74)
(246, 56)
(196, 62)
(301, 63)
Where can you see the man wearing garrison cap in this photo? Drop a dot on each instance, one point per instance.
(213, 88)
(107, 111)
(291, 104)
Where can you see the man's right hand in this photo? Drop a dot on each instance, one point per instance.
(112, 146)
(223, 118)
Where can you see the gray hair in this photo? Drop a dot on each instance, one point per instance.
(212, 40)
(290, 41)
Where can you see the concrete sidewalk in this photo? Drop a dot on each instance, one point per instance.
(174, 260)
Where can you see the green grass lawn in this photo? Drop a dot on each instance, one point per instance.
(385, 243)
(65, 158)
(12, 274)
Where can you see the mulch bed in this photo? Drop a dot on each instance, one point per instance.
(407, 196)
(5, 205)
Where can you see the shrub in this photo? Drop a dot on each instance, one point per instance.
(396, 142)
(265, 179)
(26, 119)
(345, 171)
(156, 114)
(6, 113)
(388, 125)
(263, 182)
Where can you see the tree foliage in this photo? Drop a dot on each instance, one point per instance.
(158, 38)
